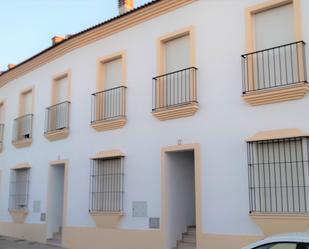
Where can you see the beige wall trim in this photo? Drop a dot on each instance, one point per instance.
(190, 31)
(95, 34)
(108, 154)
(267, 5)
(58, 163)
(31, 232)
(22, 143)
(66, 74)
(198, 188)
(100, 68)
(106, 125)
(272, 224)
(21, 110)
(22, 166)
(57, 135)
(225, 241)
(82, 237)
(176, 112)
(277, 134)
(106, 219)
(18, 216)
(274, 95)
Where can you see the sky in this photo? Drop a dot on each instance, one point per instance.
(27, 26)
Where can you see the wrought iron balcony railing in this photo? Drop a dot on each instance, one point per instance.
(174, 89)
(57, 117)
(274, 67)
(109, 104)
(23, 128)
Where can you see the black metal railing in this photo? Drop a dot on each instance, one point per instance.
(274, 67)
(279, 175)
(22, 128)
(57, 117)
(108, 104)
(1, 136)
(106, 185)
(174, 89)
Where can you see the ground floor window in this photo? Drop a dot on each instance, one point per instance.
(19, 189)
(279, 175)
(106, 185)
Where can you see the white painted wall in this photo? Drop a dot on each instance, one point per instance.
(179, 167)
(55, 206)
(220, 126)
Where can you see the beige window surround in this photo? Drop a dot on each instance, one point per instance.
(66, 74)
(21, 166)
(100, 68)
(59, 112)
(278, 93)
(177, 111)
(22, 95)
(110, 123)
(25, 108)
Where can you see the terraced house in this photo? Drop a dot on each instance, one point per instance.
(177, 124)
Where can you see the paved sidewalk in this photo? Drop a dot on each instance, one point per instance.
(11, 243)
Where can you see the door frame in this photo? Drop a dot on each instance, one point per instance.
(51, 164)
(198, 190)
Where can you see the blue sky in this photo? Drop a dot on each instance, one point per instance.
(27, 26)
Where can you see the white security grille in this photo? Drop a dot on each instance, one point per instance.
(19, 189)
(279, 175)
(106, 185)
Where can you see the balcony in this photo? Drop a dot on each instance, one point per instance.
(109, 109)
(175, 94)
(1, 136)
(22, 131)
(276, 74)
(57, 121)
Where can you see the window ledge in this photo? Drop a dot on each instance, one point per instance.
(57, 135)
(280, 223)
(22, 143)
(277, 94)
(18, 216)
(106, 219)
(176, 112)
(105, 125)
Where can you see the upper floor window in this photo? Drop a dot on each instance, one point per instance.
(274, 69)
(57, 115)
(279, 173)
(109, 102)
(174, 90)
(22, 131)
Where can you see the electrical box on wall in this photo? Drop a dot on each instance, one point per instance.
(139, 209)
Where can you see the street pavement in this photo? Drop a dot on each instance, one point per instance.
(11, 243)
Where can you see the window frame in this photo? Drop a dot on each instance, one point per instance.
(161, 56)
(66, 74)
(21, 111)
(100, 82)
(265, 6)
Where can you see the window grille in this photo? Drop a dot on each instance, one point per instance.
(106, 185)
(19, 189)
(279, 175)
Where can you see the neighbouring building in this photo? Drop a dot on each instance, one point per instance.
(177, 124)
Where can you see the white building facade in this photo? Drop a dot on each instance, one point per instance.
(178, 116)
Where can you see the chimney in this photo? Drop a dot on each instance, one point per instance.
(125, 6)
(10, 66)
(56, 39)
